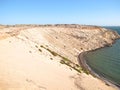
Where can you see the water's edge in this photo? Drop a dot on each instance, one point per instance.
(85, 66)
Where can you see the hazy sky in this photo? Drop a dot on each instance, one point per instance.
(92, 12)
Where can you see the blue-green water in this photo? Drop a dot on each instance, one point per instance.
(106, 61)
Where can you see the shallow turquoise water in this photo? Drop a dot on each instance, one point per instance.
(106, 61)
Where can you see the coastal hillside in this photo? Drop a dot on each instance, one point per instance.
(44, 57)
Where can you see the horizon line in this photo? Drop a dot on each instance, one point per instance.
(58, 24)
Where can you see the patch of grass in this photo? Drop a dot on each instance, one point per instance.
(42, 46)
(77, 69)
(86, 71)
(77, 65)
(66, 61)
(70, 65)
(51, 58)
(52, 52)
(62, 61)
(40, 50)
(36, 46)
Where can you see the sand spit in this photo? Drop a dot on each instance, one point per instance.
(26, 65)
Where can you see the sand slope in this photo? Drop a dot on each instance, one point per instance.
(24, 67)
(20, 69)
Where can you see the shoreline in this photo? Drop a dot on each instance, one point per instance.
(85, 66)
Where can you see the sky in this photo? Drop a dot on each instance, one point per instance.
(85, 12)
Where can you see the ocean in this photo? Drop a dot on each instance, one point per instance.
(106, 61)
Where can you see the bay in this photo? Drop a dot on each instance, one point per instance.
(106, 61)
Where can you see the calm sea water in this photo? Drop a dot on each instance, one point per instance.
(106, 61)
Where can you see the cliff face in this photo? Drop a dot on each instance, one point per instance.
(72, 41)
(67, 40)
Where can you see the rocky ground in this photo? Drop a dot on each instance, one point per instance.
(44, 57)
